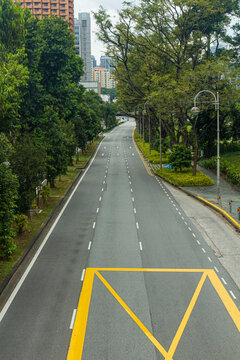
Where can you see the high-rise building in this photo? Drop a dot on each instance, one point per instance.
(94, 61)
(42, 8)
(82, 30)
(103, 76)
(106, 62)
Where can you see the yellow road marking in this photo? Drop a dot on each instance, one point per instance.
(79, 330)
(80, 325)
(133, 316)
(224, 212)
(142, 158)
(185, 319)
(225, 297)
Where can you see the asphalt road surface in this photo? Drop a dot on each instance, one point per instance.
(150, 286)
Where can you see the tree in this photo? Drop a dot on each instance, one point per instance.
(8, 197)
(13, 77)
(180, 157)
(29, 164)
(12, 30)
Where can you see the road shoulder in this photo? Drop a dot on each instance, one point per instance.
(219, 235)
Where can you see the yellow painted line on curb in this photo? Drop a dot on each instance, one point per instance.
(133, 316)
(224, 212)
(141, 156)
(80, 325)
(225, 297)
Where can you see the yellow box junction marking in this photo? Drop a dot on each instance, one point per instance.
(224, 212)
(141, 156)
(79, 330)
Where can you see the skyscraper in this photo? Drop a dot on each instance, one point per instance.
(41, 8)
(106, 62)
(82, 30)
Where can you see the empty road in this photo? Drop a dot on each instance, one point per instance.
(123, 274)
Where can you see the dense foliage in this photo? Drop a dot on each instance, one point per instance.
(45, 115)
(165, 52)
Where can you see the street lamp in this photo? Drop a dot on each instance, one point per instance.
(196, 110)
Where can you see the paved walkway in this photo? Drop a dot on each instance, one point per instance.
(228, 193)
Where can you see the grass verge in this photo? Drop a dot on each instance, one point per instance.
(185, 178)
(38, 219)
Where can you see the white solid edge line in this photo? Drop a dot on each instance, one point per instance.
(25, 274)
(83, 274)
(89, 245)
(73, 319)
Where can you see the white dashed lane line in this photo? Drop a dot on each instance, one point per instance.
(198, 242)
(83, 274)
(94, 225)
(140, 245)
(137, 225)
(89, 245)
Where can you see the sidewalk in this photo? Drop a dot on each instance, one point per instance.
(228, 193)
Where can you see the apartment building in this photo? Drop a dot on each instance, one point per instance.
(41, 8)
(82, 31)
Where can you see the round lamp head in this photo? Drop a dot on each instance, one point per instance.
(195, 110)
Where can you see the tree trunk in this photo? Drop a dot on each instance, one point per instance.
(52, 184)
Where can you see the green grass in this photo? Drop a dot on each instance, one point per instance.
(38, 219)
(154, 157)
(185, 178)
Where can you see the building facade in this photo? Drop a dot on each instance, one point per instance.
(82, 31)
(106, 62)
(42, 8)
(103, 76)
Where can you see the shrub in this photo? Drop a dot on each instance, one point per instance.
(180, 157)
(21, 223)
(185, 178)
(45, 193)
(230, 169)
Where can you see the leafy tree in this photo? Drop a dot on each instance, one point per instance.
(8, 196)
(180, 157)
(29, 164)
(13, 77)
(110, 115)
(12, 30)
(111, 92)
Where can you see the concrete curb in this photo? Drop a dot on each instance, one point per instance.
(50, 219)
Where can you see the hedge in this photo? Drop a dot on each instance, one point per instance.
(185, 178)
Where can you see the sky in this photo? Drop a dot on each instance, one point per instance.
(93, 5)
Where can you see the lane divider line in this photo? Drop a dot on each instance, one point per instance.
(83, 274)
(73, 319)
(89, 245)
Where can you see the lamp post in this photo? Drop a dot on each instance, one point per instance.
(196, 110)
(160, 139)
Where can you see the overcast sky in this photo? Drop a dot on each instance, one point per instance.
(93, 5)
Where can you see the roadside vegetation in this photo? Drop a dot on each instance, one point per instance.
(181, 173)
(165, 52)
(25, 228)
(229, 165)
(45, 114)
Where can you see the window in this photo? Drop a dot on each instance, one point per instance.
(84, 23)
(29, 4)
(36, 3)
(54, 11)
